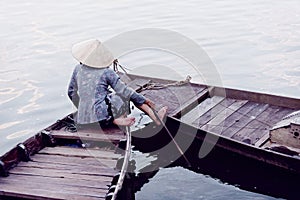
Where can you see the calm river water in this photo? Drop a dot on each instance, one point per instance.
(254, 44)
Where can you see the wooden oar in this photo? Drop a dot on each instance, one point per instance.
(176, 144)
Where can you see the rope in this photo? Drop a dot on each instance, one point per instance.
(69, 126)
(157, 86)
(150, 86)
(116, 64)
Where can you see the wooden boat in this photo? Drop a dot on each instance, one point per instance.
(226, 133)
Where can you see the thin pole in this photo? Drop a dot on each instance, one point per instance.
(176, 144)
(125, 164)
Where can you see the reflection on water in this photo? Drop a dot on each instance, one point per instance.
(153, 180)
(9, 124)
(32, 102)
(18, 134)
(15, 90)
(18, 99)
(179, 183)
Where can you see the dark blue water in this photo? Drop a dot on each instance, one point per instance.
(178, 183)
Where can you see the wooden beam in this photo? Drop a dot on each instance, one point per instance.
(276, 100)
(86, 135)
(79, 152)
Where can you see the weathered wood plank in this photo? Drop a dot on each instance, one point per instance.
(176, 98)
(85, 135)
(262, 140)
(245, 119)
(79, 152)
(74, 169)
(79, 161)
(212, 113)
(58, 173)
(67, 189)
(218, 120)
(257, 127)
(96, 184)
(190, 104)
(95, 128)
(38, 194)
(104, 176)
(34, 190)
(230, 121)
(158, 97)
(286, 102)
(270, 120)
(202, 108)
(282, 112)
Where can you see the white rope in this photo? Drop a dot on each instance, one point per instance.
(157, 86)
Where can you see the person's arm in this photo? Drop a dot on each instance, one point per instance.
(123, 90)
(73, 88)
(129, 94)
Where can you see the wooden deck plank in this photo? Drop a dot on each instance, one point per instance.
(190, 104)
(257, 127)
(212, 113)
(104, 176)
(267, 122)
(84, 169)
(282, 112)
(67, 189)
(262, 140)
(200, 109)
(79, 152)
(179, 99)
(287, 102)
(86, 135)
(96, 184)
(176, 98)
(80, 161)
(48, 191)
(218, 120)
(53, 175)
(245, 119)
(235, 117)
(38, 194)
(53, 169)
(261, 134)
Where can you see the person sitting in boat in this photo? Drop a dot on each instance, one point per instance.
(89, 89)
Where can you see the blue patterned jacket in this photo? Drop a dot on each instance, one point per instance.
(88, 89)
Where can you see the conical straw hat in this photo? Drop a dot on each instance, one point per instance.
(92, 53)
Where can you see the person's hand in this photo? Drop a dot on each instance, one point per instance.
(150, 103)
